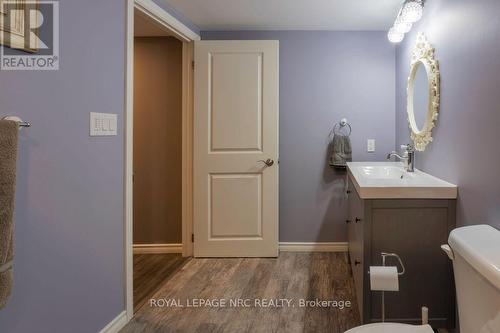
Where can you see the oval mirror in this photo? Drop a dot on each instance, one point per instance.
(423, 93)
(420, 96)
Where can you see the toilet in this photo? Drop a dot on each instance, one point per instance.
(391, 328)
(475, 252)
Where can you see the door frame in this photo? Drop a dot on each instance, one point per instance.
(187, 37)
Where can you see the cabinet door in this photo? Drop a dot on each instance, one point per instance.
(414, 230)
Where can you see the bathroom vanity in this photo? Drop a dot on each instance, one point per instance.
(411, 214)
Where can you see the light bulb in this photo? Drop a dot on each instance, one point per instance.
(395, 36)
(412, 11)
(401, 25)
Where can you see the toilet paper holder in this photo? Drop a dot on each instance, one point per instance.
(384, 256)
(395, 255)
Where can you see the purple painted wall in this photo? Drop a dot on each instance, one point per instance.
(465, 151)
(69, 227)
(68, 261)
(325, 76)
(172, 11)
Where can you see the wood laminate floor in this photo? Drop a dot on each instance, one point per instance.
(292, 276)
(151, 272)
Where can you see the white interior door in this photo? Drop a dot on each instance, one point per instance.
(235, 130)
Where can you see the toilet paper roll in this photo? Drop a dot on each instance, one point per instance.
(384, 278)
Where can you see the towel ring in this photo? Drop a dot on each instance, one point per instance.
(342, 124)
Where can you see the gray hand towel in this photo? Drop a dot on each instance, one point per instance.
(8, 156)
(340, 150)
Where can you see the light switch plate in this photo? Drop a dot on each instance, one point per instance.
(103, 124)
(370, 145)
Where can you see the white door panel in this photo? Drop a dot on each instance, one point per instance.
(236, 127)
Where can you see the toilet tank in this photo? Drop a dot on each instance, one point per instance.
(476, 265)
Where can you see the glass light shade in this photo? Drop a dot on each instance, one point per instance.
(395, 36)
(412, 11)
(402, 26)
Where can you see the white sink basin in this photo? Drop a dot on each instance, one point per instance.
(389, 180)
(382, 172)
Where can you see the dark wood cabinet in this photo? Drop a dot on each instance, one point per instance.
(414, 229)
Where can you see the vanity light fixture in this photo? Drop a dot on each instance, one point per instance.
(395, 36)
(411, 11)
(401, 25)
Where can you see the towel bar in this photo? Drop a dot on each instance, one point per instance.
(21, 122)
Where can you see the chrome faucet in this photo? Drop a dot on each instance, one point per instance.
(408, 157)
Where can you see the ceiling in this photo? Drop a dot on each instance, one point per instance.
(145, 27)
(289, 14)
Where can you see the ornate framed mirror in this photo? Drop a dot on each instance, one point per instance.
(423, 93)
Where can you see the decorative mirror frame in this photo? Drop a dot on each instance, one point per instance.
(423, 54)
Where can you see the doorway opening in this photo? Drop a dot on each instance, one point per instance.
(157, 167)
(158, 149)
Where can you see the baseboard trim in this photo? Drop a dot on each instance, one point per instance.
(313, 247)
(157, 248)
(283, 246)
(116, 324)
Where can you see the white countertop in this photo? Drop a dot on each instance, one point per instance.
(388, 180)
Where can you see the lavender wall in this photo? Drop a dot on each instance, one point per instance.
(465, 151)
(172, 11)
(325, 76)
(68, 261)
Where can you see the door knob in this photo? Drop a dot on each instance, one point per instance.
(269, 162)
